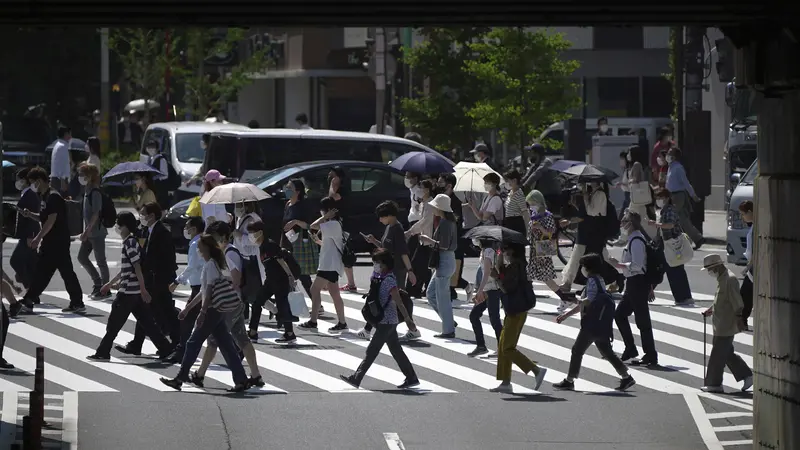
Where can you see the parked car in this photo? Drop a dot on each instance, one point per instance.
(737, 229)
(370, 183)
(25, 140)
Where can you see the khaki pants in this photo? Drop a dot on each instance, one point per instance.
(507, 352)
(722, 354)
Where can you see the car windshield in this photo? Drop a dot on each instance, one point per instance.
(28, 130)
(274, 176)
(188, 147)
(750, 175)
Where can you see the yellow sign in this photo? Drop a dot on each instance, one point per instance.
(115, 88)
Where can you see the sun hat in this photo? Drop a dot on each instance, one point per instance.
(441, 202)
(712, 261)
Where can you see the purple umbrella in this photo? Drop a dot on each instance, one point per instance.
(422, 162)
(123, 172)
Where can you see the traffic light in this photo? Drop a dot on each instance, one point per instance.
(114, 100)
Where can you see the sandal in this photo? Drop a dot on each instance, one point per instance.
(253, 335)
(196, 379)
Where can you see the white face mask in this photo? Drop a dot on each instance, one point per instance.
(623, 164)
(661, 161)
(584, 272)
(629, 157)
(603, 128)
(143, 220)
(670, 159)
(83, 181)
(476, 242)
(507, 259)
(488, 186)
(660, 203)
(20, 185)
(408, 183)
(377, 268)
(254, 237)
(117, 229)
(151, 151)
(203, 145)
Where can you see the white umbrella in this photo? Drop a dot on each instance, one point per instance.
(138, 105)
(233, 193)
(469, 180)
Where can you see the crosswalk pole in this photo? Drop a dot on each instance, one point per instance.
(705, 325)
(38, 382)
(26, 433)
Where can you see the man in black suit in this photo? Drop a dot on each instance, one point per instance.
(159, 266)
(23, 259)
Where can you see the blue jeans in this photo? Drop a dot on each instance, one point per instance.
(213, 325)
(493, 304)
(439, 290)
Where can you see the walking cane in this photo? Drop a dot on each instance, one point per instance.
(705, 325)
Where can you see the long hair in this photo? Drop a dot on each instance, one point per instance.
(94, 145)
(214, 250)
(637, 172)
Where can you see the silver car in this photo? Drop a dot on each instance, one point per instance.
(737, 229)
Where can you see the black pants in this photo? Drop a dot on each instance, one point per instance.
(162, 306)
(23, 261)
(419, 264)
(493, 304)
(582, 343)
(187, 324)
(635, 301)
(679, 284)
(746, 292)
(5, 329)
(461, 283)
(125, 305)
(284, 315)
(52, 259)
(385, 334)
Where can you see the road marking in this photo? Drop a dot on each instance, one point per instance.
(695, 295)
(55, 374)
(733, 428)
(701, 420)
(70, 421)
(728, 415)
(8, 427)
(393, 441)
(733, 443)
(727, 401)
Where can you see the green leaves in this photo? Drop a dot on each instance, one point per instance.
(145, 57)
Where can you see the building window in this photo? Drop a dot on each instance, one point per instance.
(618, 97)
(657, 97)
(618, 38)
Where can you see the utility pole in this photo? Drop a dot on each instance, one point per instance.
(105, 100)
(380, 78)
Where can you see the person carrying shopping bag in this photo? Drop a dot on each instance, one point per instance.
(677, 249)
(726, 313)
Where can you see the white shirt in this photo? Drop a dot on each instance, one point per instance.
(217, 211)
(232, 259)
(415, 211)
(748, 251)
(387, 130)
(94, 160)
(243, 243)
(425, 223)
(634, 256)
(304, 127)
(330, 253)
(59, 160)
(597, 204)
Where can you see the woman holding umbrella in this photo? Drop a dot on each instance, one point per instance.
(143, 190)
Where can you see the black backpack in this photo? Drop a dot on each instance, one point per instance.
(598, 316)
(656, 264)
(108, 212)
(612, 221)
(373, 310)
(173, 180)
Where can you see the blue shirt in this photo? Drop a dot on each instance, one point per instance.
(194, 267)
(388, 285)
(677, 180)
(593, 288)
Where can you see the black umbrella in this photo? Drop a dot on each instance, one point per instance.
(496, 233)
(590, 172)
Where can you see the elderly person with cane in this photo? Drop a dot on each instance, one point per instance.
(727, 321)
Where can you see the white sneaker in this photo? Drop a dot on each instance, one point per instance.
(747, 383)
(321, 310)
(364, 334)
(503, 389)
(563, 307)
(411, 335)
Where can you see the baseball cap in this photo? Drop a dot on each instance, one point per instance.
(213, 175)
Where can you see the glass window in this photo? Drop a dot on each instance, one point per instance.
(316, 182)
(750, 176)
(223, 155)
(656, 97)
(265, 153)
(154, 134)
(21, 129)
(187, 147)
(618, 38)
(618, 97)
(383, 182)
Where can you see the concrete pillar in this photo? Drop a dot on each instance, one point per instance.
(776, 354)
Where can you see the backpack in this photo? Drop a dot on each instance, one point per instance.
(612, 221)
(108, 212)
(173, 180)
(656, 264)
(373, 310)
(598, 317)
(244, 261)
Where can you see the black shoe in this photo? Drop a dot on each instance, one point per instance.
(256, 381)
(351, 380)
(165, 355)
(699, 243)
(628, 354)
(338, 327)
(173, 358)
(253, 335)
(174, 383)
(97, 357)
(649, 362)
(28, 303)
(626, 383)
(308, 325)
(5, 365)
(565, 385)
(101, 296)
(126, 349)
(445, 335)
(239, 388)
(14, 309)
(196, 379)
(480, 350)
(408, 384)
(74, 309)
(286, 339)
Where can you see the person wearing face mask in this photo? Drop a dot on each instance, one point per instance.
(669, 227)
(337, 190)
(488, 296)
(492, 209)
(542, 227)
(421, 254)
(517, 214)
(682, 193)
(60, 161)
(54, 252)
(23, 259)
(297, 216)
(252, 270)
(205, 140)
(660, 171)
(132, 295)
(625, 164)
(159, 162)
(538, 172)
(143, 191)
(642, 200)
(602, 127)
(190, 276)
(483, 154)
(746, 210)
(160, 269)
(664, 143)
(213, 213)
(446, 183)
(93, 238)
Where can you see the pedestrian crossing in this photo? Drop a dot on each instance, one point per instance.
(315, 361)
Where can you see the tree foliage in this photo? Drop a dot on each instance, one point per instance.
(441, 114)
(527, 84)
(145, 57)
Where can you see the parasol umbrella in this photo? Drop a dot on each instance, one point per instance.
(138, 105)
(233, 193)
(590, 172)
(496, 233)
(564, 164)
(422, 162)
(74, 144)
(123, 172)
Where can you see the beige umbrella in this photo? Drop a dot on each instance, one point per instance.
(233, 193)
(469, 180)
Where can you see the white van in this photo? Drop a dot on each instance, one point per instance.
(180, 142)
(619, 126)
(737, 230)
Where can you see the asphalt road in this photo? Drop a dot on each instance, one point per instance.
(122, 405)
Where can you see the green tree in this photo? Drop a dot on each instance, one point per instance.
(204, 86)
(440, 116)
(527, 85)
(145, 57)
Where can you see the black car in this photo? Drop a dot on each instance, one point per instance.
(370, 184)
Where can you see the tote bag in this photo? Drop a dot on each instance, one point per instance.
(297, 303)
(678, 251)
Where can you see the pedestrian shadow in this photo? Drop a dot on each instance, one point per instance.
(739, 394)
(612, 394)
(415, 344)
(661, 368)
(533, 398)
(249, 394)
(404, 392)
(15, 373)
(273, 346)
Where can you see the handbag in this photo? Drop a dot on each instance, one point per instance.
(544, 247)
(678, 251)
(433, 259)
(297, 302)
(194, 209)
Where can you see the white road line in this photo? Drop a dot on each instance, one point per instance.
(695, 295)
(8, 427)
(55, 374)
(70, 421)
(726, 401)
(393, 441)
(7, 386)
(728, 415)
(701, 420)
(734, 443)
(733, 428)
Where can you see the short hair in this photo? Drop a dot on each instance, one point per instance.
(449, 178)
(152, 143)
(152, 208)
(253, 124)
(255, 227)
(23, 173)
(383, 256)
(413, 136)
(492, 178)
(197, 223)
(302, 118)
(206, 138)
(593, 263)
(128, 220)
(37, 173)
(426, 184)
(94, 145)
(676, 152)
(602, 119)
(63, 131)
(219, 228)
(746, 206)
(413, 175)
(327, 204)
(662, 193)
(90, 171)
(387, 208)
(513, 174)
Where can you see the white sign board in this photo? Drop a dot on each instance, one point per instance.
(355, 37)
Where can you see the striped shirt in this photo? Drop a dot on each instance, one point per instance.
(515, 204)
(131, 254)
(224, 298)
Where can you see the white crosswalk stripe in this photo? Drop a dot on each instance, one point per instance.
(315, 362)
